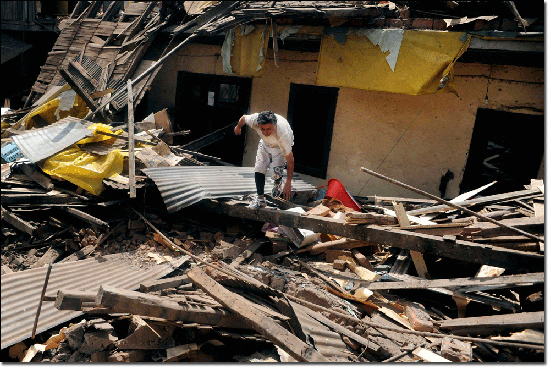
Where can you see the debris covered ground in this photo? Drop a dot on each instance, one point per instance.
(182, 271)
(244, 290)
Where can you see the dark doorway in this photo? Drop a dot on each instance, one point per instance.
(506, 147)
(206, 103)
(311, 115)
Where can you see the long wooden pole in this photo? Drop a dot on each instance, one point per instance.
(41, 299)
(131, 154)
(483, 218)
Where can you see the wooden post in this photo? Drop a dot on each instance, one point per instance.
(132, 156)
(462, 209)
(416, 256)
(41, 298)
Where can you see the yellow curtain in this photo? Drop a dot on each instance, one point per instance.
(425, 58)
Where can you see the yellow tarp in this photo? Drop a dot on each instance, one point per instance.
(84, 169)
(248, 52)
(425, 58)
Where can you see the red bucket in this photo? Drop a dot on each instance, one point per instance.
(336, 190)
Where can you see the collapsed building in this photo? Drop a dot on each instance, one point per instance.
(381, 96)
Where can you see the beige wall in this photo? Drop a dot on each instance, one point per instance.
(414, 139)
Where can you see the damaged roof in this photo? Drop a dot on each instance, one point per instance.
(120, 38)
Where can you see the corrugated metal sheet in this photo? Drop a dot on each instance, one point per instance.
(182, 186)
(21, 290)
(327, 342)
(47, 141)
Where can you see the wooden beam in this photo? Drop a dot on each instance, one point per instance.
(296, 348)
(131, 154)
(85, 216)
(83, 95)
(17, 222)
(493, 324)
(504, 281)
(124, 301)
(161, 284)
(73, 299)
(434, 245)
(534, 225)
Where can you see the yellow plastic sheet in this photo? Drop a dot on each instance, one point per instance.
(84, 169)
(248, 52)
(425, 58)
(48, 113)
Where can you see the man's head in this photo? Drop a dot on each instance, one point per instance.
(267, 121)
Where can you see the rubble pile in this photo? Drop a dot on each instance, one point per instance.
(248, 291)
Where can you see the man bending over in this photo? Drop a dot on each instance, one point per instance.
(274, 149)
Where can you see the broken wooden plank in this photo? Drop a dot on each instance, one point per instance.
(124, 301)
(343, 243)
(51, 255)
(459, 249)
(479, 297)
(296, 348)
(17, 222)
(161, 284)
(504, 281)
(247, 253)
(85, 216)
(73, 299)
(461, 208)
(534, 225)
(493, 324)
(482, 200)
(428, 356)
(37, 176)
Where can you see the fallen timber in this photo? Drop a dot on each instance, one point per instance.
(429, 244)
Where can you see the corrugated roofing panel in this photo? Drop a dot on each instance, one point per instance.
(47, 141)
(182, 186)
(329, 343)
(21, 290)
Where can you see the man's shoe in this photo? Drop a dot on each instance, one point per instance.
(277, 187)
(257, 203)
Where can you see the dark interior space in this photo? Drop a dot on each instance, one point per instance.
(506, 147)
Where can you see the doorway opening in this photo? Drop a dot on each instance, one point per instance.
(311, 115)
(206, 103)
(506, 147)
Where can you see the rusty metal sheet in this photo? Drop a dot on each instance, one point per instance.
(21, 290)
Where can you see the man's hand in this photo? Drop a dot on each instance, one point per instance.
(287, 191)
(240, 124)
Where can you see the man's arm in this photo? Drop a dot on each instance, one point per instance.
(240, 124)
(287, 191)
